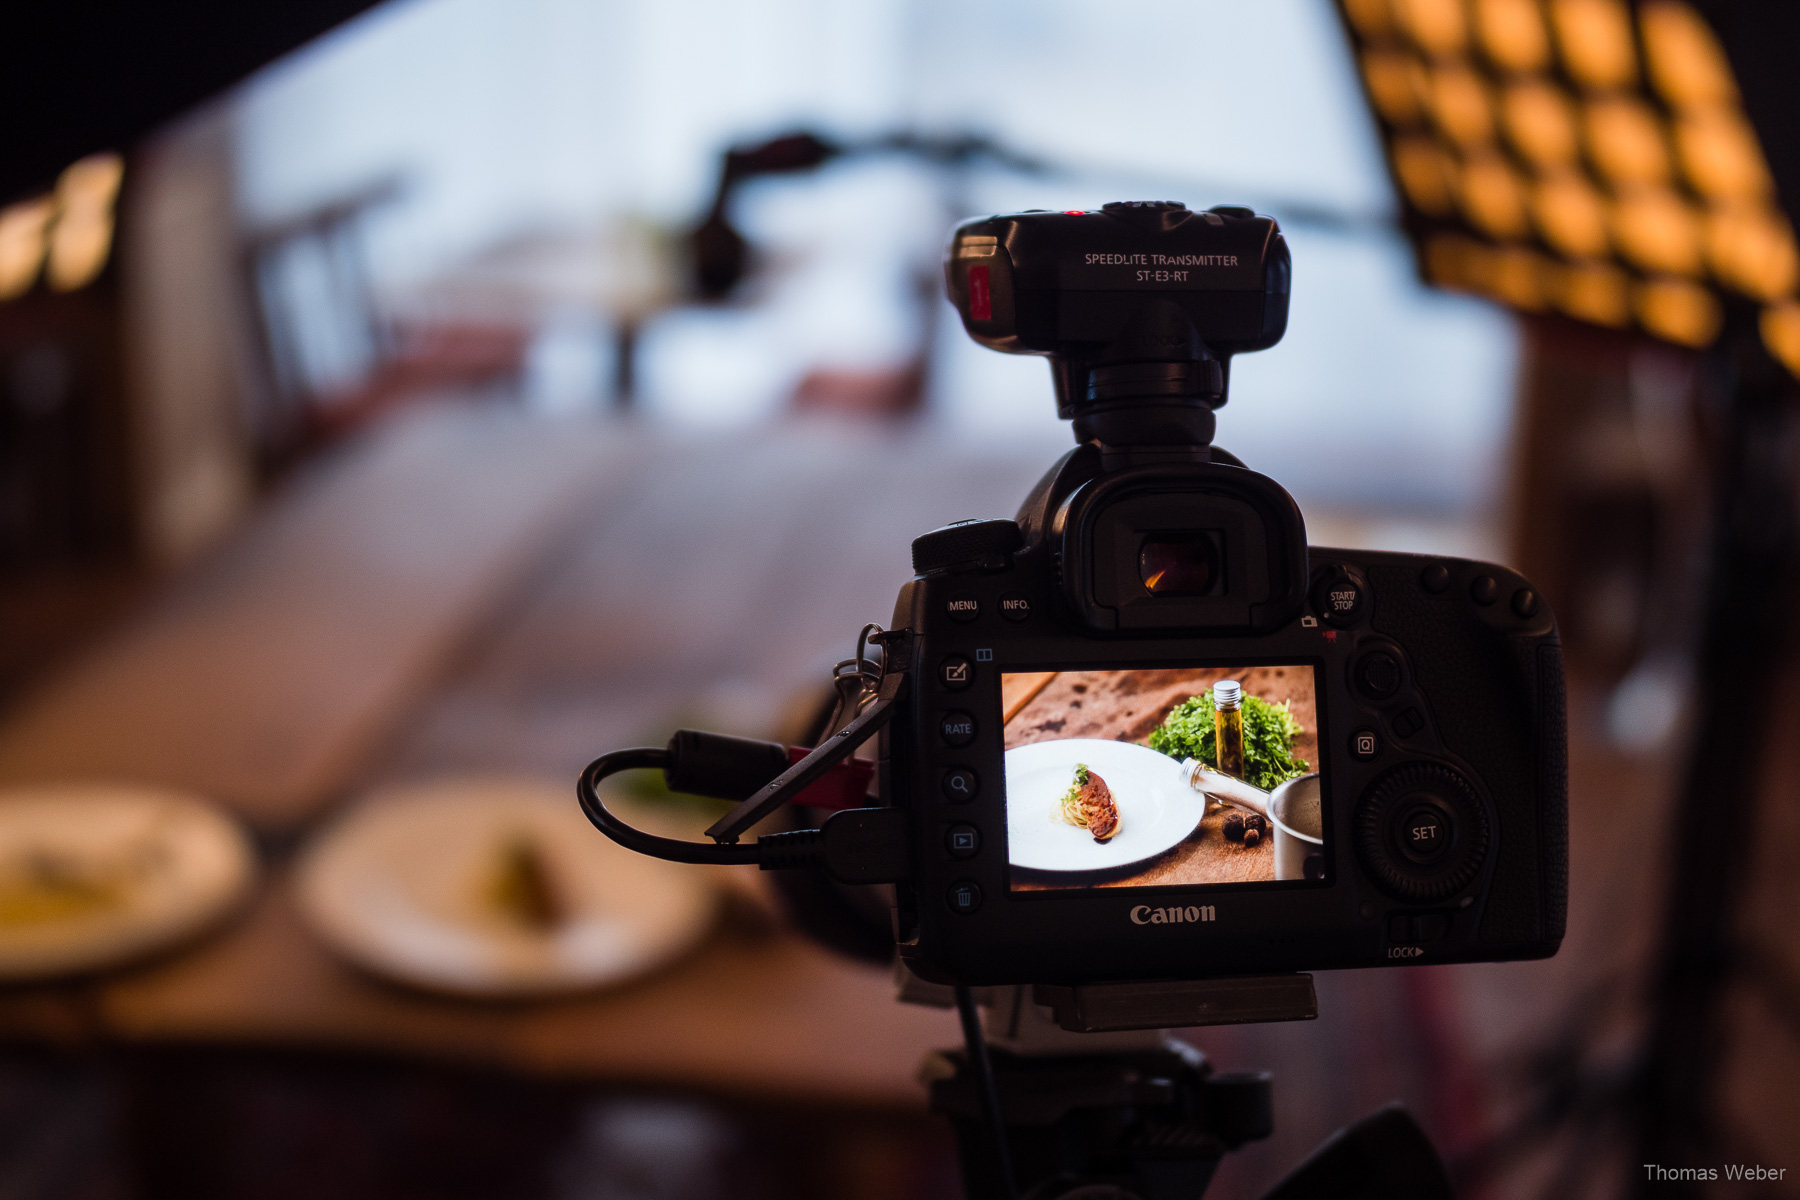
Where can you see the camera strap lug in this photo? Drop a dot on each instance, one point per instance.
(791, 782)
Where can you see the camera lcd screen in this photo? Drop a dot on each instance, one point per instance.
(1186, 777)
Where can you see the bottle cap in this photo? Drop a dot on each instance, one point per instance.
(1227, 694)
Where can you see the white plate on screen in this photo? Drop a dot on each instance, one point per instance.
(403, 886)
(95, 875)
(1156, 809)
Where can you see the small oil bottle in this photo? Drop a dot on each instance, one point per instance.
(1228, 726)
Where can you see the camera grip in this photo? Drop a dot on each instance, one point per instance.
(1498, 700)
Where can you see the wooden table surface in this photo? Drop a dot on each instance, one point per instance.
(478, 592)
(475, 592)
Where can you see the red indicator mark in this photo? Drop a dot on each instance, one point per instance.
(1330, 635)
(981, 300)
(1073, 212)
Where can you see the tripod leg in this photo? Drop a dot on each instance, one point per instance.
(975, 1047)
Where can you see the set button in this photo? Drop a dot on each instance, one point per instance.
(957, 728)
(1424, 833)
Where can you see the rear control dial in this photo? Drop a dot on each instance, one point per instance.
(1421, 832)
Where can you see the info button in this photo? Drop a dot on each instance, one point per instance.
(956, 728)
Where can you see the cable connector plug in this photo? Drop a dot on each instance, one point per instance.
(857, 845)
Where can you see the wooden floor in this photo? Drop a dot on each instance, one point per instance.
(467, 591)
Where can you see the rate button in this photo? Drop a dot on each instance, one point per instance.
(956, 728)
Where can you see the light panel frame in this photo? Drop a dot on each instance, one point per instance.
(1589, 158)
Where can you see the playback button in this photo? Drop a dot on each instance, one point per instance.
(962, 841)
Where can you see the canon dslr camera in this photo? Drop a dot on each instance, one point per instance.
(1143, 731)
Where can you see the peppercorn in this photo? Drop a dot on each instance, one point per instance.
(1251, 837)
(1234, 827)
(1257, 822)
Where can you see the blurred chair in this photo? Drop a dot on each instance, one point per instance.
(334, 358)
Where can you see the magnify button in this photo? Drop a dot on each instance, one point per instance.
(960, 785)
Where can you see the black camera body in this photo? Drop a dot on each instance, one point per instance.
(1398, 792)
(1440, 703)
(1142, 732)
(1144, 749)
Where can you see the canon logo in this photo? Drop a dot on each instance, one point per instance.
(1143, 914)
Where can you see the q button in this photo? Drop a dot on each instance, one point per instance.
(960, 785)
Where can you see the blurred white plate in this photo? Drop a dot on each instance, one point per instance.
(94, 875)
(1156, 809)
(401, 887)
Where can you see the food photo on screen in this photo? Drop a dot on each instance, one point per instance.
(1186, 777)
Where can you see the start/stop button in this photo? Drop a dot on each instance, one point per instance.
(1340, 597)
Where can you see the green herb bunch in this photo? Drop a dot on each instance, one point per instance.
(1071, 799)
(1269, 733)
